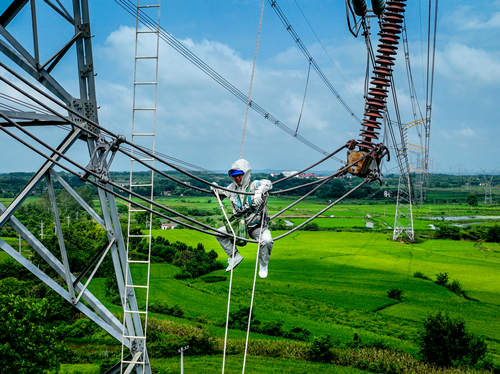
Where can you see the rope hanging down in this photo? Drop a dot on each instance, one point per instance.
(304, 99)
(230, 280)
(249, 101)
(253, 287)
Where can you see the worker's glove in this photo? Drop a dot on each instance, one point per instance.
(213, 187)
(257, 199)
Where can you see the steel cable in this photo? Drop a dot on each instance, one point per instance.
(75, 113)
(99, 185)
(324, 49)
(306, 53)
(190, 56)
(304, 99)
(249, 101)
(321, 212)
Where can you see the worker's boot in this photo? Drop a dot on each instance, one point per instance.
(234, 261)
(262, 271)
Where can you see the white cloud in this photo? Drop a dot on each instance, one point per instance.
(466, 133)
(468, 18)
(464, 64)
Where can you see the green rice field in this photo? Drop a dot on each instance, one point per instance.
(336, 283)
(330, 282)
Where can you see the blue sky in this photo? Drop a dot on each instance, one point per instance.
(202, 123)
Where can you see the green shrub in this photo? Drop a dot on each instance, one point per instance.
(456, 287)
(184, 274)
(320, 350)
(10, 268)
(445, 341)
(164, 308)
(472, 200)
(112, 293)
(82, 328)
(395, 294)
(203, 344)
(312, 226)
(239, 319)
(213, 278)
(448, 232)
(26, 346)
(108, 362)
(298, 333)
(493, 234)
(420, 275)
(273, 328)
(442, 279)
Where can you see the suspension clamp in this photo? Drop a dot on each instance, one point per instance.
(369, 161)
(99, 163)
(351, 144)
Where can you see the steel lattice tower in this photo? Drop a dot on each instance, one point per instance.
(403, 220)
(83, 106)
(488, 181)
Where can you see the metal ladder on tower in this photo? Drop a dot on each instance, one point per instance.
(147, 43)
(403, 220)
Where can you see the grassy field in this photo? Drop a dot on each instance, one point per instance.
(333, 222)
(336, 283)
(233, 365)
(333, 283)
(257, 365)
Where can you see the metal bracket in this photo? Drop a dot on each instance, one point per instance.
(99, 163)
(85, 29)
(88, 109)
(88, 68)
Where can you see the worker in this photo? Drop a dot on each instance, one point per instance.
(254, 211)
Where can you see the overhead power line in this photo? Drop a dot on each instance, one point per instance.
(324, 49)
(185, 52)
(306, 53)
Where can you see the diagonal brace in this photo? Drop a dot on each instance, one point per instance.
(60, 237)
(102, 255)
(78, 198)
(16, 203)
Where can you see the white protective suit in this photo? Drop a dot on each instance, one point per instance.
(243, 203)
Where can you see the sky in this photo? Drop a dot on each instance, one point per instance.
(200, 122)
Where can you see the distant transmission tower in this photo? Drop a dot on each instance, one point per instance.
(488, 180)
(403, 220)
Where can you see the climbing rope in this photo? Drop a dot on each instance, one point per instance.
(249, 102)
(253, 287)
(230, 280)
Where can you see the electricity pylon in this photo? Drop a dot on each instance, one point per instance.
(403, 220)
(80, 109)
(488, 181)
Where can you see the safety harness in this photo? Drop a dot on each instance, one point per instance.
(251, 213)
